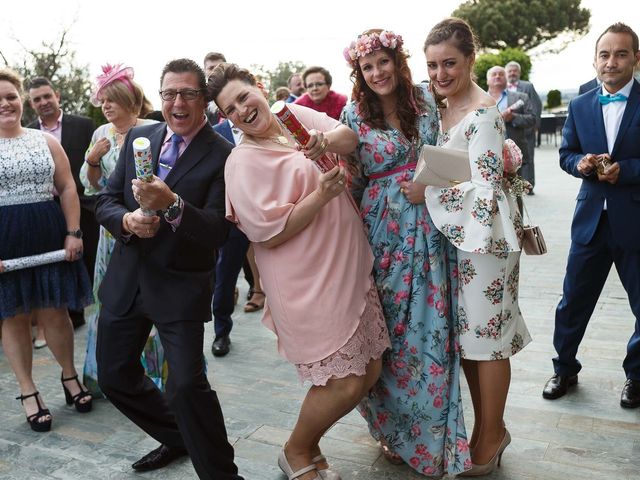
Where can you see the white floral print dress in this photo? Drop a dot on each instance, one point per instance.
(483, 222)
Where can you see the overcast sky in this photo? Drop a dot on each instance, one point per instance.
(146, 34)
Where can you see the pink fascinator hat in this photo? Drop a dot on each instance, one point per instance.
(111, 73)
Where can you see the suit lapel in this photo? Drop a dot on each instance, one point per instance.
(630, 110)
(157, 139)
(598, 121)
(66, 130)
(197, 149)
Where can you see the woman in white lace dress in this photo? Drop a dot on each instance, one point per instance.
(32, 163)
(481, 219)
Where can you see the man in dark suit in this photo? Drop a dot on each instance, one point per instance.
(600, 145)
(230, 261)
(161, 273)
(590, 85)
(514, 70)
(515, 108)
(74, 133)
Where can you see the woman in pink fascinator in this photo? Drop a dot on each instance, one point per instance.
(122, 101)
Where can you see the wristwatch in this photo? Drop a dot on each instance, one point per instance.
(174, 210)
(75, 233)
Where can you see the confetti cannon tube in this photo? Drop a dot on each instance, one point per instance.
(33, 260)
(144, 164)
(299, 132)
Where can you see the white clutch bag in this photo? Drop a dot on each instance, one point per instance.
(442, 167)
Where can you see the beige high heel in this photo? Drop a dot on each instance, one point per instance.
(325, 473)
(487, 468)
(288, 471)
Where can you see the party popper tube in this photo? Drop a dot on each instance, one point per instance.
(144, 164)
(33, 260)
(299, 132)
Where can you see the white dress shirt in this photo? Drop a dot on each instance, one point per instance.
(612, 114)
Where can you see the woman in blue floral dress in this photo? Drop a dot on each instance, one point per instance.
(415, 408)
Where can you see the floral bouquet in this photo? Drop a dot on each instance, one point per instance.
(512, 157)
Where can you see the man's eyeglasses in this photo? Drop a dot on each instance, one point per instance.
(315, 85)
(187, 94)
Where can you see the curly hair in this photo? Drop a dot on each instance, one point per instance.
(409, 99)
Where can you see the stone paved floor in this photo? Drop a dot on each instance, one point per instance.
(585, 435)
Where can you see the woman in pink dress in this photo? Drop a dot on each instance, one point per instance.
(313, 255)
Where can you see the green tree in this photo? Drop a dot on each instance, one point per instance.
(278, 76)
(554, 99)
(486, 61)
(55, 60)
(525, 24)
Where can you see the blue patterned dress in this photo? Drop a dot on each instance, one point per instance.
(415, 407)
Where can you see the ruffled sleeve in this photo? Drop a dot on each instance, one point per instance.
(477, 216)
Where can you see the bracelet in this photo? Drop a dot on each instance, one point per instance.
(94, 165)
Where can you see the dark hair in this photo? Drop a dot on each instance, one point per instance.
(11, 76)
(185, 65)
(223, 74)
(408, 96)
(282, 93)
(455, 29)
(37, 82)
(620, 27)
(214, 57)
(325, 73)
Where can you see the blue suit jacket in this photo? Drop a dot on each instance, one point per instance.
(584, 133)
(224, 129)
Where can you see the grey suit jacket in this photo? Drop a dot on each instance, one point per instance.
(524, 119)
(534, 98)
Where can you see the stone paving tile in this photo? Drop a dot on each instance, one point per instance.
(585, 435)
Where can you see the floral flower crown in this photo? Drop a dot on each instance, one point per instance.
(368, 42)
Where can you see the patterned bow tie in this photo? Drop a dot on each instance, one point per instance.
(606, 99)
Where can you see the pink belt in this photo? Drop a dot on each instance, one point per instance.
(393, 171)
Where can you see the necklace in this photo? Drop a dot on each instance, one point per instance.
(281, 140)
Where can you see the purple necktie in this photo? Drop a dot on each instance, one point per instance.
(168, 159)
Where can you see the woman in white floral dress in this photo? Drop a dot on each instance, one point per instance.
(482, 221)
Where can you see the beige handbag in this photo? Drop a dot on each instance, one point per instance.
(532, 242)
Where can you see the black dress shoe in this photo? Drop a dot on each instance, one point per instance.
(630, 397)
(221, 346)
(158, 458)
(558, 385)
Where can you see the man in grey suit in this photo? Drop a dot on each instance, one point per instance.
(516, 110)
(513, 70)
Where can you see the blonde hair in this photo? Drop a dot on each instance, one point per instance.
(11, 76)
(130, 99)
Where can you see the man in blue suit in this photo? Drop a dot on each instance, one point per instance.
(230, 260)
(601, 145)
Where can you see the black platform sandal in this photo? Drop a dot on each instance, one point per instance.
(33, 420)
(82, 407)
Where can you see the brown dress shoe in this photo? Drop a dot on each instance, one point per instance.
(558, 385)
(630, 397)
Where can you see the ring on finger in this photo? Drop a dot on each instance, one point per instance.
(323, 144)
(340, 182)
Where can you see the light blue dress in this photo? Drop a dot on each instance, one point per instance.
(415, 407)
